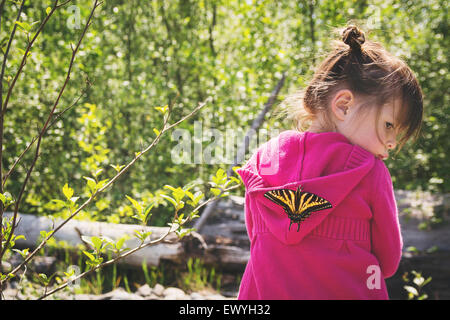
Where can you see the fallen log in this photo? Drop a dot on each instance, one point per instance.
(30, 226)
(171, 249)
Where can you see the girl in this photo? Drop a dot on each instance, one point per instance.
(320, 209)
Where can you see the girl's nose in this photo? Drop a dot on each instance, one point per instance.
(391, 145)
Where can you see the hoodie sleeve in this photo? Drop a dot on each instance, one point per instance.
(387, 241)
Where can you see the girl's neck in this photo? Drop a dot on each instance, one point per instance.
(319, 125)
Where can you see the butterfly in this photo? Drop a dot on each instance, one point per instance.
(297, 204)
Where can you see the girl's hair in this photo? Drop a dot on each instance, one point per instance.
(369, 71)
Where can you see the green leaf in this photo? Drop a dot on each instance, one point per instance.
(120, 242)
(234, 179)
(136, 204)
(2, 198)
(23, 252)
(215, 191)
(19, 237)
(147, 211)
(412, 249)
(183, 232)
(163, 110)
(189, 194)
(117, 167)
(68, 192)
(101, 183)
(220, 173)
(97, 243)
(74, 199)
(169, 187)
(70, 273)
(87, 239)
(142, 235)
(25, 26)
(91, 183)
(22, 52)
(426, 281)
(89, 255)
(411, 290)
(220, 178)
(44, 234)
(96, 173)
(170, 199)
(6, 276)
(43, 278)
(178, 194)
(9, 200)
(432, 249)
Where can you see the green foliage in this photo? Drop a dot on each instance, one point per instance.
(415, 289)
(6, 227)
(153, 275)
(198, 276)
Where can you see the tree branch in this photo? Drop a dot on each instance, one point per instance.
(61, 91)
(56, 118)
(141, 246)
(25, 55)
(154, 142)
(5, 57)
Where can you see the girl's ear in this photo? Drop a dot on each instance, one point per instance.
(342, 103)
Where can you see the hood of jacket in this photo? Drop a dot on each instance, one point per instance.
(324, 168)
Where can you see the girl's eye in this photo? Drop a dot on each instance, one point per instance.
(389, 125)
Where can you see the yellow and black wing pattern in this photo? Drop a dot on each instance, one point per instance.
(297, 204)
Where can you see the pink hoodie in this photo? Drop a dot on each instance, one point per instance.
(341, 252)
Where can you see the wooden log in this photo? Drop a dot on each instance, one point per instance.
(30, 226)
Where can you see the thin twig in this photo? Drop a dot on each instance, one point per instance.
(5, 56)
(56, 118)
(61, 91)
(141, 246)
(154, 142)
(25, 55)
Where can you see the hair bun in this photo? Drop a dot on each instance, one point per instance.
(354, 37)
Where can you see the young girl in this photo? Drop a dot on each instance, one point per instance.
(320, 209)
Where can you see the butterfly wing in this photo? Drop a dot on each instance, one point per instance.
(310, 202)
(297, 204)
(283, 197)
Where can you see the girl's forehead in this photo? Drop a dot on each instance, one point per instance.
(393, 107)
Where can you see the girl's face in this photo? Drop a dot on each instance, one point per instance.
(375, 133)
